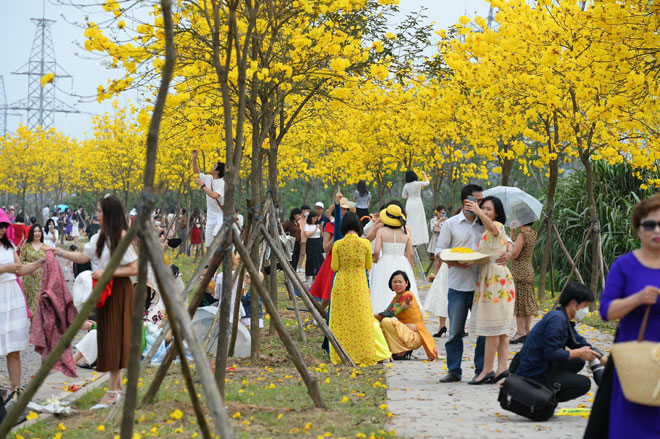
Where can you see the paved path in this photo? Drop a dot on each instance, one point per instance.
(424, 408)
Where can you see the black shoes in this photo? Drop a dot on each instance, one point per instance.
(449, 378)
(441, 332)
(519, 339)
(485, 380)
(403, 356)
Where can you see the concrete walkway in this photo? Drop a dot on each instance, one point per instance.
(424, 408)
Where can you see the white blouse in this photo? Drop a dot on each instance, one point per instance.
(90, 251)
(313, 228)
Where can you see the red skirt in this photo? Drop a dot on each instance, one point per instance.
(196, 235)
(322, 285)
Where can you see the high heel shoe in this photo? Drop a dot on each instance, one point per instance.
(520, 339)
(441, 332)
(100, 406)
(485, 380)
(500, 376)
(403, 356)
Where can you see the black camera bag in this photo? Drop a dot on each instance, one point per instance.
(527, 398)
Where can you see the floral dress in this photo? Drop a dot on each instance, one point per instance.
(492, 310)
(32, 282)
(351, 319)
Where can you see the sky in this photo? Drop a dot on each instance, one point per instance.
(88, 71)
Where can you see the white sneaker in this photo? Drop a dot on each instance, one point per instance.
(299, 270)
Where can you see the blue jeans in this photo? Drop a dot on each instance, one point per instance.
(459, 304)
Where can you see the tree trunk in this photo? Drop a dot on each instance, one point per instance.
(595, 234)
(553, 138)
(507, 167)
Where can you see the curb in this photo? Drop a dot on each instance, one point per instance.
(100, 381)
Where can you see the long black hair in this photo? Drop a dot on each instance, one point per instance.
(48, 222)
(399, 273)
(362, 188)
(500, 216)
(114, 222)
(295, 211)
(5, 239)
(411, 176)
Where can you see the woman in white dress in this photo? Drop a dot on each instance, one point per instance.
(415, 208)
(397, 254)
(14, 324)
(50, 233)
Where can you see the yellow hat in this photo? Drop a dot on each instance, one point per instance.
(392, 216)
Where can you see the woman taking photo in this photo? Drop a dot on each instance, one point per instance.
(314, 247)
(492, 310)
(632, 285)
(113, 318)
(14, 324)
(33, 250)
(50, 233)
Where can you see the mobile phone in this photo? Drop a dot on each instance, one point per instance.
(444, 214)
(471, 198)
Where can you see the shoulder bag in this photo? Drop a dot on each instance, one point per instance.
(638, 367)
(528, 398)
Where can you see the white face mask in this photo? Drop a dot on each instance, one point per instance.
(581, 313)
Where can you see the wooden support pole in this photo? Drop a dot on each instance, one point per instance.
(310, 381)
(297, 283)
(187, 376)
(566, 253)
(64, 342)
(214, 260)
(177, 312)
(292, 296)
(130, 395)
(234, 324)
(579, 255)
(309, 303)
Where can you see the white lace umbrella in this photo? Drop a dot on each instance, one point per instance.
(520, 207)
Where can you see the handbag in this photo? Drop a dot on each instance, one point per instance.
(638, 367)
(288, 242)
(528, 398)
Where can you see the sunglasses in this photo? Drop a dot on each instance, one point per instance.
(650, 225)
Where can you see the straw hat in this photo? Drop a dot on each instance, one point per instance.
(345, 204)
(392, 216)
(464, 256)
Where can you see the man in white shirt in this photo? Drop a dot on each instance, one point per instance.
(45, 213)
(462, 230)
(213, 186)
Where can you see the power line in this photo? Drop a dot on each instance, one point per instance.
(41, 103)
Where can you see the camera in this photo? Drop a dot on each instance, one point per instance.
(597, 370)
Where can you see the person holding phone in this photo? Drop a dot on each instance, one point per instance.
(213, 186)
(50, 233)
(438, 219)
(462, 230)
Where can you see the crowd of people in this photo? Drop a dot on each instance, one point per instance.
(361, 267)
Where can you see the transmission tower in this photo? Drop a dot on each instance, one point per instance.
(41, 103)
